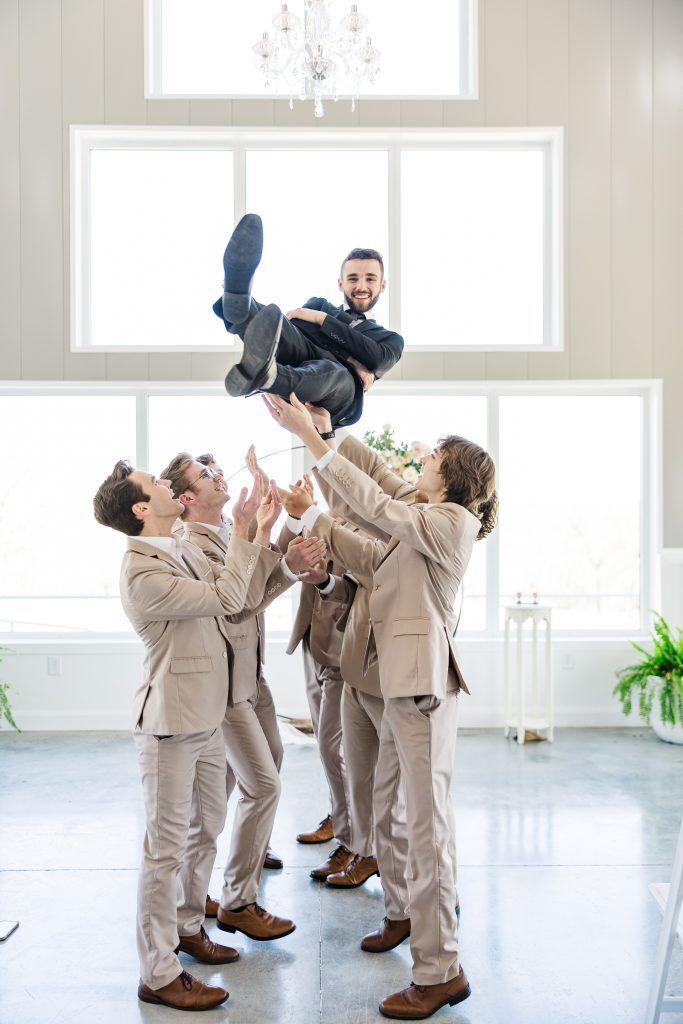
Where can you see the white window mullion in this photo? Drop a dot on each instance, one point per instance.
(394, 223)
(142, 432)
(240, 180)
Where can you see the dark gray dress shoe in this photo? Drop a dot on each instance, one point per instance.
(257, 366)
(240, 260)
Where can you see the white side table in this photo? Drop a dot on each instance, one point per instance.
(518, 717)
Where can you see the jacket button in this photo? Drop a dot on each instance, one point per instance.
(225, 654)
(377, 586)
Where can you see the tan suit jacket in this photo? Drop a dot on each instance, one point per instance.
(316, 617)
(355, 596)
(416, 576)
(376, 468)
(177, 608)
(245, 631)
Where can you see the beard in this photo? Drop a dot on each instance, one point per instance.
(361, 307)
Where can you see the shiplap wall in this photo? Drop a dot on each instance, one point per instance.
(609, 72)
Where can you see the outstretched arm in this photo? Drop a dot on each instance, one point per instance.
(435, 532)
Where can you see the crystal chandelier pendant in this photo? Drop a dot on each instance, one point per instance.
(315, 61)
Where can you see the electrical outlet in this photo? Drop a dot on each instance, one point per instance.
(54, 665)
(567, 662)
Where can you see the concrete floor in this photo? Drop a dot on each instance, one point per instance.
(557, 844)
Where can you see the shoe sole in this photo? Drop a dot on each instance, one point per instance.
(273, 867)
(313, 842)
(195, 1009)
(243, 254)
(353, 885)
(384, 949)
(423, 1016)
(261, 339)
(256, 938)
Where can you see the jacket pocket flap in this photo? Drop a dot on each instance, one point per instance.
(410, 626)
(184, 666)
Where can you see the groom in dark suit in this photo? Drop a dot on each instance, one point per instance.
(329, 355)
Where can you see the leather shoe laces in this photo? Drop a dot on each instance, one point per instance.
(187, 980)
(420, 988)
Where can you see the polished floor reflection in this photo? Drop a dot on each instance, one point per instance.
(557, 844)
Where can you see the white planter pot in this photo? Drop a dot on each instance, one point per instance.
(668, 733)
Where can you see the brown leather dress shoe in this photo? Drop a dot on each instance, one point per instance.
(356, 873)
(184, 993)
(418, 1002)
(272, 861)
(389, 935)
(336, 861)
(203, 949)
(254, 922)
(211, 907)
(322, 834)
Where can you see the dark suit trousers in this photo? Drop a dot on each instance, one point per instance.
(309, 370)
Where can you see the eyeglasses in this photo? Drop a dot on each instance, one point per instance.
(206, 474)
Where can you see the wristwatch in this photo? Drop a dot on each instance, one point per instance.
(328, 435)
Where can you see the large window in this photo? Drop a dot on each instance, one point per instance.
(468, 222)
(204, 47)
(576, 469)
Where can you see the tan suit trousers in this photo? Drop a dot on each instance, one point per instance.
(171, 768)
(376, 801)
(421, 732)
(265, 712)
(324, 688)
(250, 756)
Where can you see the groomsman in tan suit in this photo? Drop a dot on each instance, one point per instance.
(252, 744)
(176, 604)
(415, 580)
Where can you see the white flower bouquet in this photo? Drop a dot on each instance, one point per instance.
(400, 456)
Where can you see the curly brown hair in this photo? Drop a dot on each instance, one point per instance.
(113, 503)
(469, 476)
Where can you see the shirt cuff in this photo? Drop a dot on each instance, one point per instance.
(328, 588)
(325, 459)
(310, 516)
(288, 572)
(294, 525)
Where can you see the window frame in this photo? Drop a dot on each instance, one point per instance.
(469, 64)
(650, 483)
(550, 141)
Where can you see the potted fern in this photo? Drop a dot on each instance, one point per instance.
(655, 683)
(5, 706)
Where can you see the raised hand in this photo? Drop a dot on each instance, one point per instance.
(240, 517)
(292, 415)
(367, 377)
(321, 418)
(317, 575)
(255, 469)
(304, 554)
(267, 514)
(296, 500)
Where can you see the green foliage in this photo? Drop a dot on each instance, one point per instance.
(658, 675)
(5, 706)
(398, 454)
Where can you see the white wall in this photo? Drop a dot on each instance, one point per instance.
(96, 686)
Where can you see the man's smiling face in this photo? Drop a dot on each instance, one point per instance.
(362, 284)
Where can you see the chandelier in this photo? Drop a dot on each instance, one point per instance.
(312, 59)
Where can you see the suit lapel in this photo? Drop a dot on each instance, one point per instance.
(139, 545)
(391, 547)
